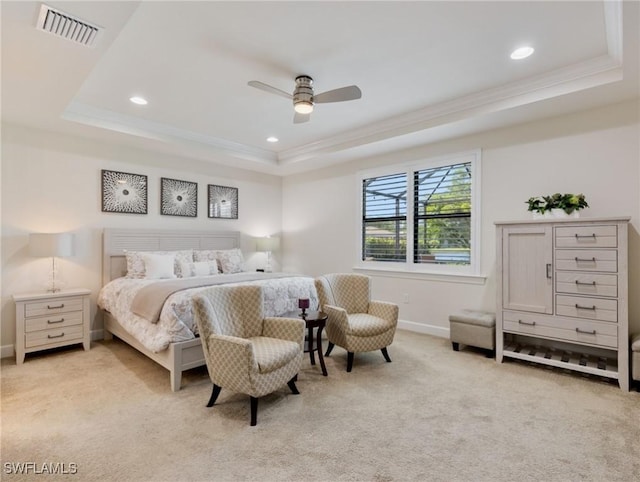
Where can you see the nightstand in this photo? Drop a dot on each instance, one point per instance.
(50, 320)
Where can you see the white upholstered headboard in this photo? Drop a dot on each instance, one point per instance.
(116, 241)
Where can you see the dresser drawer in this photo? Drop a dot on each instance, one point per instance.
(587, 284)
(603, 260)
(55, 321)
(586, 237)
(54, 336)
(61, 305)
(573, 330)
(591, 308)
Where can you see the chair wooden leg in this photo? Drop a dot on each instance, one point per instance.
(385, 354)
(214, 395)
(292, 385)
(329, 348)
(254, 411)
(349, 361)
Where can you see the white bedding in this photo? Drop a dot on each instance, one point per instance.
(176, 321)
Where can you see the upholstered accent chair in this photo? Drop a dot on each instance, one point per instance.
(355, 322)
(246, 352)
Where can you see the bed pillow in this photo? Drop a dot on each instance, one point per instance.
(199, 268)
(159, 266)
(135, 263)
(231, 261)
(205, 255)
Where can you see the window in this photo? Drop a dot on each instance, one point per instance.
(422, 217)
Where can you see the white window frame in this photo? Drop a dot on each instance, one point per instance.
(470, 272)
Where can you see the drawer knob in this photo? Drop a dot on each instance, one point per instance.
(56, 336)
(55, 307)
(586, 332)
(593, 283)
(580, 307)
(592, 235)
(585, 260)
(53, 322)
(532, 323)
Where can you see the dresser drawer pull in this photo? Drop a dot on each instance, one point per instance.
(580, 307)
(593, 283)
(586, 332)
(520, 322)
(578, 236)
(53, 322)
(55, 307)
(56, 336)
(585, 260)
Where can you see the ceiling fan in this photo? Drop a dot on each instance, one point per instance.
(304, 98)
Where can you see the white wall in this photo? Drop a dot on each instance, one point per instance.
(52, 183)
(595, 152)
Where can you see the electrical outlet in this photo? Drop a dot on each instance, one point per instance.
(405, 298)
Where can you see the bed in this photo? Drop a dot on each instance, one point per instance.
(171, 338)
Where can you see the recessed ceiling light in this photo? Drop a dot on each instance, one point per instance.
(272, 139)
(522, 53)
(138, 100)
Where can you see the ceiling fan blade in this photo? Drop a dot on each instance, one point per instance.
(300, 118)
(267, 88)
(351, 92)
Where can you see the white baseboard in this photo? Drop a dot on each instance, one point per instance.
(8, 351)
(423, 328)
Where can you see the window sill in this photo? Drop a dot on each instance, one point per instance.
(422, 275)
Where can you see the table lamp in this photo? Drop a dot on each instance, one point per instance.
(45, 245)
(267, 244)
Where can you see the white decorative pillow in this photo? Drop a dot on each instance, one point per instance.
(231, 261)
(158, 266)
(135, 263)
(199, 268)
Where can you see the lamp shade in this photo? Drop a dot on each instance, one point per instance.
(51, 244)
(267, 244)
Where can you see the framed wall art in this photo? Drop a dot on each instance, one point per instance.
(178, 198)
(223, 202)
(123, 192)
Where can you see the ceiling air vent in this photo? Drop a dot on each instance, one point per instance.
(66, 26)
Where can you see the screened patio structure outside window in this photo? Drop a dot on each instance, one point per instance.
(440, 221)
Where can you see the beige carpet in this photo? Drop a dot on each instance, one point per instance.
(431, 415)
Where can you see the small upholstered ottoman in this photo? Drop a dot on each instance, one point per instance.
(474, 328)
(635, 360)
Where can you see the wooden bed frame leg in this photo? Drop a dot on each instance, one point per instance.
(176, 380)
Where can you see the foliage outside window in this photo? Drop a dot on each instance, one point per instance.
(437, 231)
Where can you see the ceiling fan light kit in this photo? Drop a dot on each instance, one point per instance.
(304, 98)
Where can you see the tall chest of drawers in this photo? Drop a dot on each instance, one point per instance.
(562, 294)
(51, 320)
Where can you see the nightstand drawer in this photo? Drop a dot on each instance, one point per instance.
(587, 284)
(603, 260)
(51, 322)
(54, 306)
(590, 308)
(587, 237)
(54, 336)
